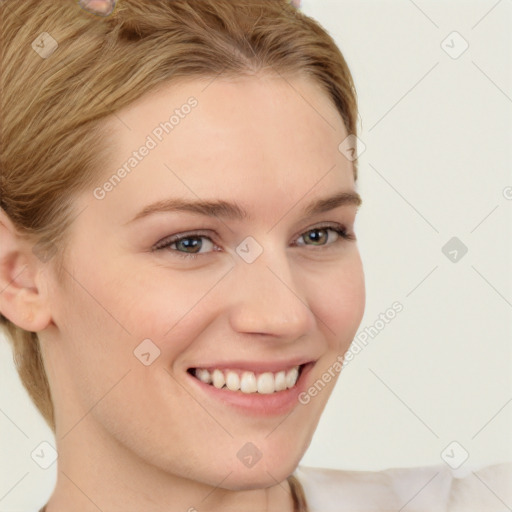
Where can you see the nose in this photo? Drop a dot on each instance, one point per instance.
(266, 298)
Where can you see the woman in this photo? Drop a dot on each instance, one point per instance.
(180, 267)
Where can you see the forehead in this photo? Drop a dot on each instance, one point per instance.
(213, 138)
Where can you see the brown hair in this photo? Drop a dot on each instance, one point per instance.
(64, 70)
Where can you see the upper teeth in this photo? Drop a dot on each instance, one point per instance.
(247, 382)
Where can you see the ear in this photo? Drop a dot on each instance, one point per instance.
(22, 297)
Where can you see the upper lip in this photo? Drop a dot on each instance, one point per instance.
(256, 366)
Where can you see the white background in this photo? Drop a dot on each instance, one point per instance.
(437, 164)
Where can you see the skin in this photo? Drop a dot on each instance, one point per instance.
(100, 7)
(134, 437)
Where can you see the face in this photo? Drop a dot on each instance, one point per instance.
(258, 287)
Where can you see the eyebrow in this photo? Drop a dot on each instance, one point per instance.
(232, 210)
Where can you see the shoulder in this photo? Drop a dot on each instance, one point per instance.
(415, 489)
(488, 488)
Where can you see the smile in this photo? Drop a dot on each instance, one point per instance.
(261, 389)
(248, 382)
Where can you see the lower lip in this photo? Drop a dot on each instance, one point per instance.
(256, 404)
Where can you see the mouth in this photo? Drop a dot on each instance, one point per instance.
(249, 382)
(257, 391)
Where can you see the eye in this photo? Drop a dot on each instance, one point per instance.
(321, 234)
(184, 243)
(189, 245)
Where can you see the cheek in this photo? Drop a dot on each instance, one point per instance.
(169, 308)
(339, 303)
(92, 313)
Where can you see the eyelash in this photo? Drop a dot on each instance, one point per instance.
(167, 242)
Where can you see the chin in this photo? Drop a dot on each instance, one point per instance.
(265, 473)
(247, 480)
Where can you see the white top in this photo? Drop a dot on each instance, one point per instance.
(421, 489)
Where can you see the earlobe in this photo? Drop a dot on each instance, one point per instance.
(21, 299)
